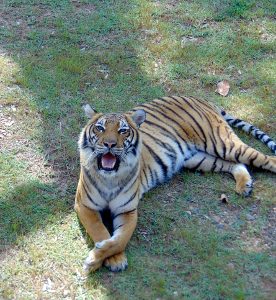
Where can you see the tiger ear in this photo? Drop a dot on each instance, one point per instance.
(139, 117)
(89, 111)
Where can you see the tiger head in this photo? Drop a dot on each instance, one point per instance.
(110, 142)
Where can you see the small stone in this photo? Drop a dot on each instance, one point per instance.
(188, 40)
(249, 217)
(9, 123)
(216, 219)
(195, 211)
(231, 266)
(220, 226)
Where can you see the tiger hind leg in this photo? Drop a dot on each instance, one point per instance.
(204, 162)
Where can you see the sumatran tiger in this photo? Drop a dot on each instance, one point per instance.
(123, 155)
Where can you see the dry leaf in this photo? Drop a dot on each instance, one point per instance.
(223, 88)
(224, 198)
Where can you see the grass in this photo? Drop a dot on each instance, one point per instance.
(57, 55)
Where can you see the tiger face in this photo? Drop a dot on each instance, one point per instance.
(110, 142)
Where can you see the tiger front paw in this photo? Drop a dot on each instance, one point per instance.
(117, 262)
(92, 263)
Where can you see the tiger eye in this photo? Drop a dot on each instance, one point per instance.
(122, 131)
(99, 128)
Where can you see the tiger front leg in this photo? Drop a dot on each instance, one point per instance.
(92, 222)
(111, 250)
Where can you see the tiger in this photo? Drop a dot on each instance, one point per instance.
(123, 155)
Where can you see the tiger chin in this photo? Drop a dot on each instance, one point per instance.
(123, 155)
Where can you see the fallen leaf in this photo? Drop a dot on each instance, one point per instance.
(224, 199)
(223, 88)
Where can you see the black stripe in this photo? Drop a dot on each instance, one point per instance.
(236, 122)
(144, 187)
(252, 159)
(214, 165)
(258, 134)
(173, 111)
(119, 226)
(146, 177)
(265, 164)
(129, 200)
(237, 154)
(157, 109)
(231, 147)
(94, 183)
(268, 141)
(132, 147)
(213, 138)
(222, 143)
(202, 104)
(245, 149)
(240, 126)
(134, 181)
(89, 197)
(196, 122)
(193, 107)
(229, 120)
(213, 144)
(158, 160)
(200, 114)
(119, 214)
(160, 143)
(170, 135)
(84, 143)
(89, 130)
(151, 175)
(124, 183)
(198, 165)
(157, 181)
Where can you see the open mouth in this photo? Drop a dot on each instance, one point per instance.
(108, 162)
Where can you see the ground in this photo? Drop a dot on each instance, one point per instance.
(56, 56)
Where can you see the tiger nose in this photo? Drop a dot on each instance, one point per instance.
(110, 144)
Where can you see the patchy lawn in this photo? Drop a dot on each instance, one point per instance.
(56, 55)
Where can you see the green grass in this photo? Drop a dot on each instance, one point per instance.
(57, 55)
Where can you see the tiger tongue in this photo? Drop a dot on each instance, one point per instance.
(108, 161)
